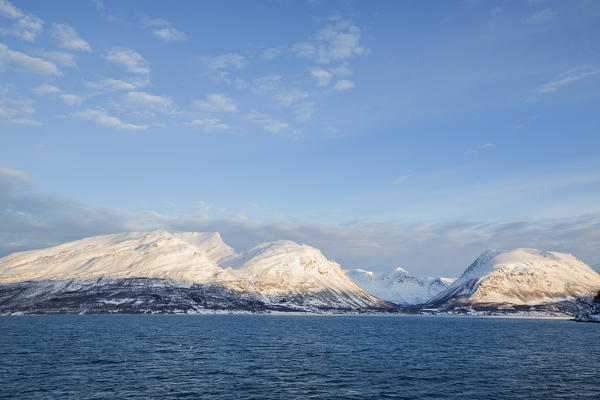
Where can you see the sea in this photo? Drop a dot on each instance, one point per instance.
(297, 357)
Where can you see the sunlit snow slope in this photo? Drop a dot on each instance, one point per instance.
(198, 266)
(521, 277)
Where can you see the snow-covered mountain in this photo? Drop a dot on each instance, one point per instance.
(522, 280)
(399, 286)
(168, 272)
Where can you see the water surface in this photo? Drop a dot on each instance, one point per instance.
(271, 357)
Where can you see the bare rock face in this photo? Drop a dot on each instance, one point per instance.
(522, 280)
(187, 272)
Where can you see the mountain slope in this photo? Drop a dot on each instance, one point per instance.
(161, 271)
(521, 279)
(398, 286)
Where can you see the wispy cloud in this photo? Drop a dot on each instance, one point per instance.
(116, 84)
(480, 148)
(15, 110)
(72, 99)
(322, 76)
(149, 101)
(344, 85)
(564, 80)
(67, 38)
(272, 86)
(164, 30)
(225, 61)
(337, 42)
(208, 124)
(541, 16)
(60, 57)
(129, 59)
(25, 26)
(304, 112)
(68, 98)
(268, 123)
(216, 102)
(44, 89)
(101, 117)
(221, 65)
(29, 63)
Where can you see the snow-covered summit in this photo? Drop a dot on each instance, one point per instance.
(398, 286)
(521, 277)
(281, 268)
(185, 256)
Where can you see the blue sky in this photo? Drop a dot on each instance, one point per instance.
(385, 133)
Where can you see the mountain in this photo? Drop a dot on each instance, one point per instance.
(593, 314)
(399, 286)
(188, 272)
(521, 280)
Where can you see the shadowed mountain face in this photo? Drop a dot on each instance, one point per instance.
(148, 295)
(176, 272)
(593, 314)
(526, 280)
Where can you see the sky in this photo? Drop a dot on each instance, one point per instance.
(413, 134)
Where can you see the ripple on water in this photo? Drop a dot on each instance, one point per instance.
(272, 357)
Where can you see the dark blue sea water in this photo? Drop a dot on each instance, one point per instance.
(288, 357)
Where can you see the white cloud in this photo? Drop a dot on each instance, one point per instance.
(208, 124)
(61, 58)
(164, 30)
(129, 59)
(344, 84)
(149, 101)
(341, 71)
(32, 64)
(540, 16)
(46, 89)
(170, 35)
(101, 117)
(225, 61)
(25, 26)
(272, 87)
(268, 123)
(67, 98)
(478, 149)
(115, 84)
(216, 102)
(16, 111)
(272, 52)
(337, 42)
(72, 99)
(552, 86)
(322, 76)
(304, 112)
(220, 65)
(68, 38)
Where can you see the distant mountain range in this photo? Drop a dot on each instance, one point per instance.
(399, 286)
(191, 272)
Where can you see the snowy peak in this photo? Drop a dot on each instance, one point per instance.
(398, 286)
(521, 277)
(281, 268)
(156, 254)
